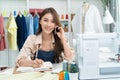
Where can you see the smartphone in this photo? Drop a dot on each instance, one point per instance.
(57, 30)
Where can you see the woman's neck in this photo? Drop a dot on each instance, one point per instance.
(47, 42)
(46, 37)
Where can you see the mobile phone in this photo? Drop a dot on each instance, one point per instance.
(57, 30)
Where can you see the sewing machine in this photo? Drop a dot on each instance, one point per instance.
(91, 65)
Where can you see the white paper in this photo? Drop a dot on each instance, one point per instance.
(45, 66)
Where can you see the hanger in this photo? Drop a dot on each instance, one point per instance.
(20, 14)
(28, 13)
(36, 12)
(10, 13)
(85, 1)
(86, 4)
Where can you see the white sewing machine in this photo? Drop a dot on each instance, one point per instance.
(93, 52)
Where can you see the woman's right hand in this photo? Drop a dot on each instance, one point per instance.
(37, 63)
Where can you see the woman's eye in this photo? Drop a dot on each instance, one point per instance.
(45, 20)
(53, 21)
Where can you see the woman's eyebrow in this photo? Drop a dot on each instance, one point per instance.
(48, 19)
(45, 18)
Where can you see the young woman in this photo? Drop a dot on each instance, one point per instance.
(48, 44)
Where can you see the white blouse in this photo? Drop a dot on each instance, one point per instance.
(92, 24)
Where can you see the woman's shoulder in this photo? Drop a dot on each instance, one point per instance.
(31, 37)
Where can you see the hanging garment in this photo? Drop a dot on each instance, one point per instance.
(29, 24)
(2, 34)
(35, 23)
(92, 21)
(12, 33)
(22, 30)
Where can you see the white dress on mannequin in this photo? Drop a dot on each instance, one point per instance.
(92, 20)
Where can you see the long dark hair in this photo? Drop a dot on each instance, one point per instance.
(58, 48)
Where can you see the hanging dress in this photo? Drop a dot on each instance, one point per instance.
(22, 30)
(29, 24)
(35, 23)
(2, 34)
(12, 33)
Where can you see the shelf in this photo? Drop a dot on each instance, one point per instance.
(63, 20)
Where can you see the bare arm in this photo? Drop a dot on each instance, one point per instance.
(68, 51)
(31, 63)
(28, 48)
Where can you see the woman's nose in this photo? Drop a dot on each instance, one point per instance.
(49, 23)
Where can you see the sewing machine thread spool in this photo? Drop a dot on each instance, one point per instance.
(65, 66)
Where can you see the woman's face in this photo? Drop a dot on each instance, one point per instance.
(47, 23)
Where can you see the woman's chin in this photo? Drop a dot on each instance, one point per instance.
(48, 32)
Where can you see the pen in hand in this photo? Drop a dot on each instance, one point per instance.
(36, 62)
(32, 57)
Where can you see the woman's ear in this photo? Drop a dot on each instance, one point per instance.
(55, 26)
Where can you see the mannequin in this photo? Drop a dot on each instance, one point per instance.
(85, 7)
(87, 20)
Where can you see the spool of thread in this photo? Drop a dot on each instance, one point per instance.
(66, 16)
(66, 76)
(62, 16)
(61, 75)
(65, 66)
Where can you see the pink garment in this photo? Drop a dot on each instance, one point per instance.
(2, 34)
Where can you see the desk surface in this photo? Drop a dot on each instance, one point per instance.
(7, 75)
(33, 75)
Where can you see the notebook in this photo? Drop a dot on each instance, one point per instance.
(44, 67)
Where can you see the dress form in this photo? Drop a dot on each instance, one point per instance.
(85, 8)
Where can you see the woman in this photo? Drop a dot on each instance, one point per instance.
(46, 44)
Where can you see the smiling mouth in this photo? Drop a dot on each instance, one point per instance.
(48, 29)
